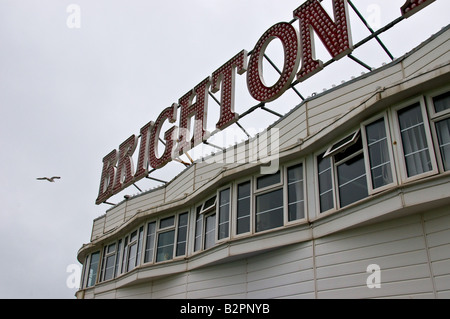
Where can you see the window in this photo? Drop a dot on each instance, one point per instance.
(414, 140)
(93, 268)
(351, 175)
(269, 207)
(108, 262)
(206, 224)
(342, 144)
(269, 210)
(117, 263)
(182, 234)
(326, 194)
(379, 154)
(198, 229)
(150, 242)
(224, 214)
(134, 249)
(440, 114)
(166, 239)
(296, 200)
(243, 208)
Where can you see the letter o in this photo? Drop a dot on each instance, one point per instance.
(289, 37)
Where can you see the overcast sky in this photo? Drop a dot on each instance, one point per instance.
(69, 94)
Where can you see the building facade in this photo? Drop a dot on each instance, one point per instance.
(357, 207)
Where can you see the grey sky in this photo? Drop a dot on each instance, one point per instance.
(68, 96)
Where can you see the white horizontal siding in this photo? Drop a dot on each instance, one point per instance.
(334, 266)
(437, 229)
(397, 246)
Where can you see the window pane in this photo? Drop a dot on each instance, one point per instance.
(210, 231)
(165, 246)
(151, 227)
(243, 208)
(119, 247)
(380, 163)
(442, 102)
(132, 249)
(443, 132)
(109, 267)
(124, 255)
(210, 203)
(198, 230)
(269, 210)
(352, 180)
(415, 146)
(139, 246)
(295, 193)
(182, 234)
(93, 267)
(267, 180)
(167, 222)
(224, 213)
(325, 184)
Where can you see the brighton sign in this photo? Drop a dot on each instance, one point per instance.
(118, 169)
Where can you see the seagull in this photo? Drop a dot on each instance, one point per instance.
(51, 179)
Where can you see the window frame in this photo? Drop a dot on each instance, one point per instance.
(105, 256)
(434, 118)
(336, 164)
(286, 168)
(235, 199)
(317, 155)
(230, 208)
(265, 190)
(398, 141)
(389, 142)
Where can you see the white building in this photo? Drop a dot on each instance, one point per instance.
(363, 185)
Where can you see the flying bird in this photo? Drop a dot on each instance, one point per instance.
(51, 179)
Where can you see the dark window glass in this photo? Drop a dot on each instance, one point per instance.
(442, 102)
(352, 180)
(165, 246)
(269, 210)
(443, 133)
(150, 242)
(224, 213)
(243, 208)
(110, 258)
(167, 222)
(182, 234)
(296, 201)
(198, 229)
(268, 180)
(93, 268)
(325, 184)
(210, 229)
